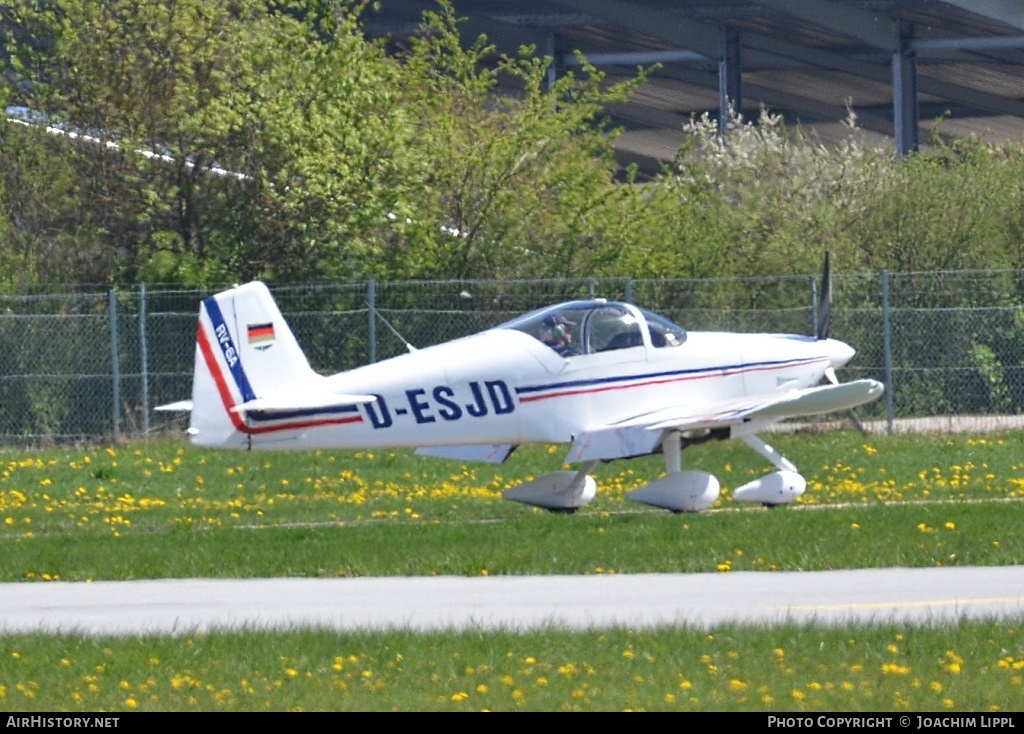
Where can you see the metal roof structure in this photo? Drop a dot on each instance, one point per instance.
(900, 65)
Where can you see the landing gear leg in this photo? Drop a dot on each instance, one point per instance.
(769, 452)
(777, 488)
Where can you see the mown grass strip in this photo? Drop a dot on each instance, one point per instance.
(751, 540)
(969, 666)
(165, 509)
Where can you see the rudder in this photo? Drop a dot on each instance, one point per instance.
(244, 350)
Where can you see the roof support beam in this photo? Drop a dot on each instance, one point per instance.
(904, 95)
(730, 78)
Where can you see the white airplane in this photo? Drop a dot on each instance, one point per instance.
(613, 380)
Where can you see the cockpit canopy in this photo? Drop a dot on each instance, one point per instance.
(589, 327)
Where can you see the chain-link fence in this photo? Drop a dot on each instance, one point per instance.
(91, 366)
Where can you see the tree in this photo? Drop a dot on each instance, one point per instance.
(344, 161)
(520, 179)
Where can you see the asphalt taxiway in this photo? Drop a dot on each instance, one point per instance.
(181, 606)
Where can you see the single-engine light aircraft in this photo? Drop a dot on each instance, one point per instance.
(612, 380)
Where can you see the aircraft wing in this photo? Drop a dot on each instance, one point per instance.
(642, 434)
(283, 403)
(491, 454)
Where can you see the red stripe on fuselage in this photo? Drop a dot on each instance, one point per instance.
(648, 383)
(229, 401)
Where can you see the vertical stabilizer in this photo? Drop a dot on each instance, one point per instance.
(244, 350)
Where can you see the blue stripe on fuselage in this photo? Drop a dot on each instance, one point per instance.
(671, 374)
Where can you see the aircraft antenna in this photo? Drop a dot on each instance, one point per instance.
(387, 323)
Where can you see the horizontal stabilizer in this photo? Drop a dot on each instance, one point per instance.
(302, 401)
(180, 406)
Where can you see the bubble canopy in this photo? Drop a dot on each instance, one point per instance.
(590, 327)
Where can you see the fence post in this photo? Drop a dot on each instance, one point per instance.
(629, 290)
(814, 305)
(371, 302)
(115, 368)
(890, 410)
(143, 359)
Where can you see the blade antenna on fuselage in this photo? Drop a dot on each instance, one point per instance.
(825, 302)
(387, 323)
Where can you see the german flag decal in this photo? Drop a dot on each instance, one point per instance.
(261, 336)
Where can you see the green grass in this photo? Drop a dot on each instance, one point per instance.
(967, 666)
(164, 509)
(757, 540)
(168, 510)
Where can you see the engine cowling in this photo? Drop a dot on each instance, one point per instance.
(778, 488)
(685, 491)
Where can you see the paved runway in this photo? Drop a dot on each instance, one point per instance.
(929, 595)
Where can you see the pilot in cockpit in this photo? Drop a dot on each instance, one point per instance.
(557, 334)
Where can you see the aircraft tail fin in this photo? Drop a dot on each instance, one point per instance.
(245, 351)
